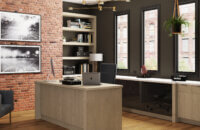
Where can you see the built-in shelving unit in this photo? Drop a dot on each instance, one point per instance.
(70, 59)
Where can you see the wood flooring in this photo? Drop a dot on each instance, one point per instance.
(26, 121)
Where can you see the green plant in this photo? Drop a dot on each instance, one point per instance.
(173, 22)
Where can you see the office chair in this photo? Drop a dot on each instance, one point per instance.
(108, 72)
(6, 103)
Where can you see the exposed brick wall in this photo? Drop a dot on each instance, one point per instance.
(51, 46)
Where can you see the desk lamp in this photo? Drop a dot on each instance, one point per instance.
(94, 58)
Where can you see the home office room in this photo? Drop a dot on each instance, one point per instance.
(99, 65)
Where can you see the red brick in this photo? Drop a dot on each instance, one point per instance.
(51, 46)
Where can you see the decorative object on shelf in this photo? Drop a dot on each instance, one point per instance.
(19, 59)
(175, 23)
(99, 7)
(69, 70)
(81, 52)
(144, 71)
(94, 58)
(64, 39)
(20, 27)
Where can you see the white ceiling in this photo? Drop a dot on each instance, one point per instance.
(88, 2)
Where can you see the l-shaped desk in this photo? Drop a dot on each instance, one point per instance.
(76, 107)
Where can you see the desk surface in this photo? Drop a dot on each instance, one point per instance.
(158, 80)
(56, 83)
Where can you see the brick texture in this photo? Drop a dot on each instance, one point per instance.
(51, 46)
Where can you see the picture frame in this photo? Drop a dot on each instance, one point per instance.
(20, 59)
(20, 27)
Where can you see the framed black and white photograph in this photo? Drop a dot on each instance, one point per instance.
(20, 27)
(19, 59)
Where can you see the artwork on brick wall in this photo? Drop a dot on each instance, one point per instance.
(20, 27)
(19, 59)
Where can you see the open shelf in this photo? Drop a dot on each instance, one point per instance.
(75, 58)
(74, 15)
(73, 75)
(77, 44)
(77, 29)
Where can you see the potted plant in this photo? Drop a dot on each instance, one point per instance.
(175, 23)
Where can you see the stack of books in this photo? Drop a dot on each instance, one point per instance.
(86, 25)
(73, 24)
(79, 23)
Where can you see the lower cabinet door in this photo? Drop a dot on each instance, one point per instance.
(189, 102)
(196, 103)
(150, 97)
(184, 102)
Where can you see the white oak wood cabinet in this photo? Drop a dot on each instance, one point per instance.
(78, 107)
(188, 99)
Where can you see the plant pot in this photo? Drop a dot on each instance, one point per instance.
(176, 28)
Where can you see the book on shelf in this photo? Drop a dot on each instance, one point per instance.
(89, 37)
(84, 37)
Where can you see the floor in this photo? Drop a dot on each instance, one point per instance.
(25, 121)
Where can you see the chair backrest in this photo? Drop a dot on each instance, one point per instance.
(7, 97)
(0, 100)
(108, 72)
(7, 102)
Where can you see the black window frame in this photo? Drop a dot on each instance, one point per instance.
(116, 14)
(149, 8)
(196, 42)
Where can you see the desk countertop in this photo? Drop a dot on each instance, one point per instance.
(81, 87)
(158, 80)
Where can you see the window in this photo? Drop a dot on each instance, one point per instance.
(193, 45)
(151, 46)
(125, 32)
(122, 41)
(150, 36)
(185, 29)
(186, 42)
(152, 30)
(185, 45)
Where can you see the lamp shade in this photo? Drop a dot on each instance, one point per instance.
(96, 57)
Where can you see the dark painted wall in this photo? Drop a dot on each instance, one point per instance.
(105, 35)
(66, 5)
